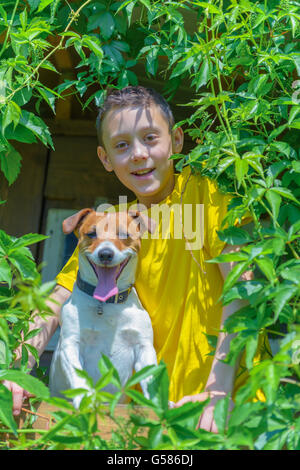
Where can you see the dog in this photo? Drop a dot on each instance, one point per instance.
(103, 315)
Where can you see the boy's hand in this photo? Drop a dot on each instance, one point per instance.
(48, 327)
(18, 394)
(206, 420)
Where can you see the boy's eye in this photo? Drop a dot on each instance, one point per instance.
(151, 137)
(92, 234)
(121, 145)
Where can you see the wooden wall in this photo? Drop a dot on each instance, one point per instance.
(24, 198)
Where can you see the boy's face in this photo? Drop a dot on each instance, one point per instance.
(137, 146)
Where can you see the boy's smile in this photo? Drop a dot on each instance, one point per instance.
(137, 146)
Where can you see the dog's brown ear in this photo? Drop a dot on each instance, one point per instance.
(72, 222)
(144, 222)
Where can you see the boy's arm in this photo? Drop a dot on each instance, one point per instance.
(40, 341)
(221, 378)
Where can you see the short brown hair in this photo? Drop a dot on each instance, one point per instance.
(132, 96)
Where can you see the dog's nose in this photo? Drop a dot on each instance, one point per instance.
(106, 255)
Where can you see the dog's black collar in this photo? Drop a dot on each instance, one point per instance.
(119, 298)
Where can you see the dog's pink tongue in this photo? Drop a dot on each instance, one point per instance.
(107, 286)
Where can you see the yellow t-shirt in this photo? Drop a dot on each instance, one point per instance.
(178, 289)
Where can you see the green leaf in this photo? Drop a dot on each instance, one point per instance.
(285, 193)
(6, 405)
(182, 66)
(37, 126)
(48, 96)
(33, 351)
(105, 21)
(24, 265)
(43, 4)
(295, 124)
(74, 392)
(12, 113)
(61, 403)
(229, 257)
(203, 74)
(185, 412)
(104, 366)
(240, 414)
(211, 8)
(267, 267)
(5, 272)
(114, 56)
(141, 375)
(155, 436)
(284, 148)
(158, 388)
(152, 61)
(225, 163)
(84, 375)
(146, 3)
(291, 272)
(28, 239)
(272, 377)
(32, 333)
(282, 297)
(94, 45)
(244, 290)
(105, 380)
(10, 164)
(53, 431)
(251, 348)
(139, 398)
(3, 15)
(275, 200)
(212, 340)
(235, 273)
(241, 169)
(20, 133)
(234, 236)
(221, 413)
(48, 66)
(28, 382)
(23, 96)
(255, 164)
(293, 113)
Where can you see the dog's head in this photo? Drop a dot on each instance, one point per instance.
(108, 240)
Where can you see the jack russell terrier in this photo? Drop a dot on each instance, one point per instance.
(103, 314)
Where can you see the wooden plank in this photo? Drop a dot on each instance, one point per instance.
(45, 420)
(77, 176)
(75, 127)
(22, 211)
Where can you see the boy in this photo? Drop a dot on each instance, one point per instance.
(178, 289)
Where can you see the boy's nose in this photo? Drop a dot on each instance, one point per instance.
(139, 152)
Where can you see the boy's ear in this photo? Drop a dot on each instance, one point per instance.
(104, 158)
(177, 140)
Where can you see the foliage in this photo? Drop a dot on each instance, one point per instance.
(242, 61)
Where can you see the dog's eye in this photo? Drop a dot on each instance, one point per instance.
(123, 235)
(91, 234)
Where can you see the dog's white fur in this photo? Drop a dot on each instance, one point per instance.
(123, 332)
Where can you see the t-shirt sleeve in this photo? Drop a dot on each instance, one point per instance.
(68, 274)
(215, 209)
